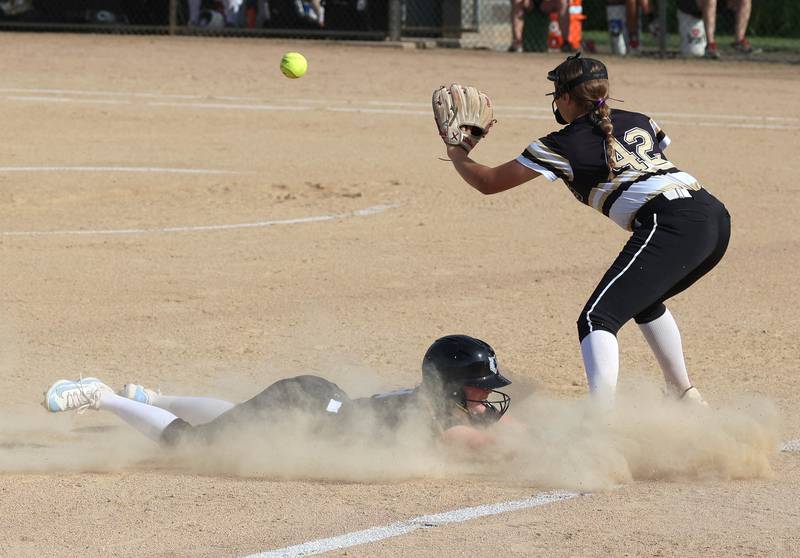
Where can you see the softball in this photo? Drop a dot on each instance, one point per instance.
(294, 65)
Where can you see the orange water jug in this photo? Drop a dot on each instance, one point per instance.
(576, 17)
(555, 40)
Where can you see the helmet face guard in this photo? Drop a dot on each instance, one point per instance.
(558, 76)
(494, 407)
(457, 361)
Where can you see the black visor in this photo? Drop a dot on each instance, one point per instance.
(493, 381)
(558, 74)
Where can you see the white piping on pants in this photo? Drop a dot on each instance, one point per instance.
(655, 226)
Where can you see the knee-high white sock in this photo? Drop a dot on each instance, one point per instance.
(150, 421)
(664, 338)
(194, 410)
(600, 352)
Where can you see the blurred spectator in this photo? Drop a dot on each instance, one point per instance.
(691, 28)
(633, 10)
(15, 8)
(216, 14)
(194, 12)
(617, 18)
(358, 15)
(316, 13)
(297, 14)
(518, 9)
(626, 19)
(741, 11)
(64, 11)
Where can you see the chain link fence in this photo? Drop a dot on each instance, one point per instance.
(771, 26)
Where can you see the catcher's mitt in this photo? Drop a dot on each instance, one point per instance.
(463, 115)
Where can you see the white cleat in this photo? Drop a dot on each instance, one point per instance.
(692, 395)
(70, 395)
(137, 392)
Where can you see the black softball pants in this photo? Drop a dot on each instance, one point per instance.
(315, 397)
(674, 243)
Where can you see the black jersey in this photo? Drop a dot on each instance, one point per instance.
(329, 407)
(577, 155)
(390, 409)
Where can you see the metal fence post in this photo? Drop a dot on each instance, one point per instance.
(451, 19)
(395, 15)
(662, 28)
(173, 16)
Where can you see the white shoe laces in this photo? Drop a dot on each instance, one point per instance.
(92, 397)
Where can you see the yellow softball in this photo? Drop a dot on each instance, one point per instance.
(294, 65)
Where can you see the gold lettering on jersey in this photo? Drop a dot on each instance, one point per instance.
(625, 159)
(641, 159)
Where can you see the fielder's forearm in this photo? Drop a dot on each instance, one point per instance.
(475, 174)
(489, 180)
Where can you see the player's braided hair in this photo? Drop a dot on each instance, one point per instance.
(592, 96)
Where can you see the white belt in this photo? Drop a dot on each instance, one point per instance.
(677, 193)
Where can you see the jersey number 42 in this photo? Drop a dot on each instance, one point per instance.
(638, 153)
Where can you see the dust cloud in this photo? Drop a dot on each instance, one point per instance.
(558, 443)
(645, 436)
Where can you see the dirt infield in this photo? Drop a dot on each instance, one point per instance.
(177, 213)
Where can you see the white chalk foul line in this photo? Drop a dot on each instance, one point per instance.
(229, 106)
(762, 122)
(206, 228)
(120, 169)
(374, 534)
(426, 113)
(421, 522)
(67, 100)
(689, 115)
(145, 95)
(97, 93)
(378, 102)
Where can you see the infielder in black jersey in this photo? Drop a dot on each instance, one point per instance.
(613, 161)
(457, 398)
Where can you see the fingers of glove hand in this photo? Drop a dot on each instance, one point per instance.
(486, 113)
(440, 104)
(458, 96)
(473, 109)
(472, 106)
(443, 112)
(463, 115)
(436, 105)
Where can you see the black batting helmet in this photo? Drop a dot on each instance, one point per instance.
(590, 69)
(455, 361)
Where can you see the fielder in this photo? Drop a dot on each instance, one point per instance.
(613, 161)
(458, 400)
